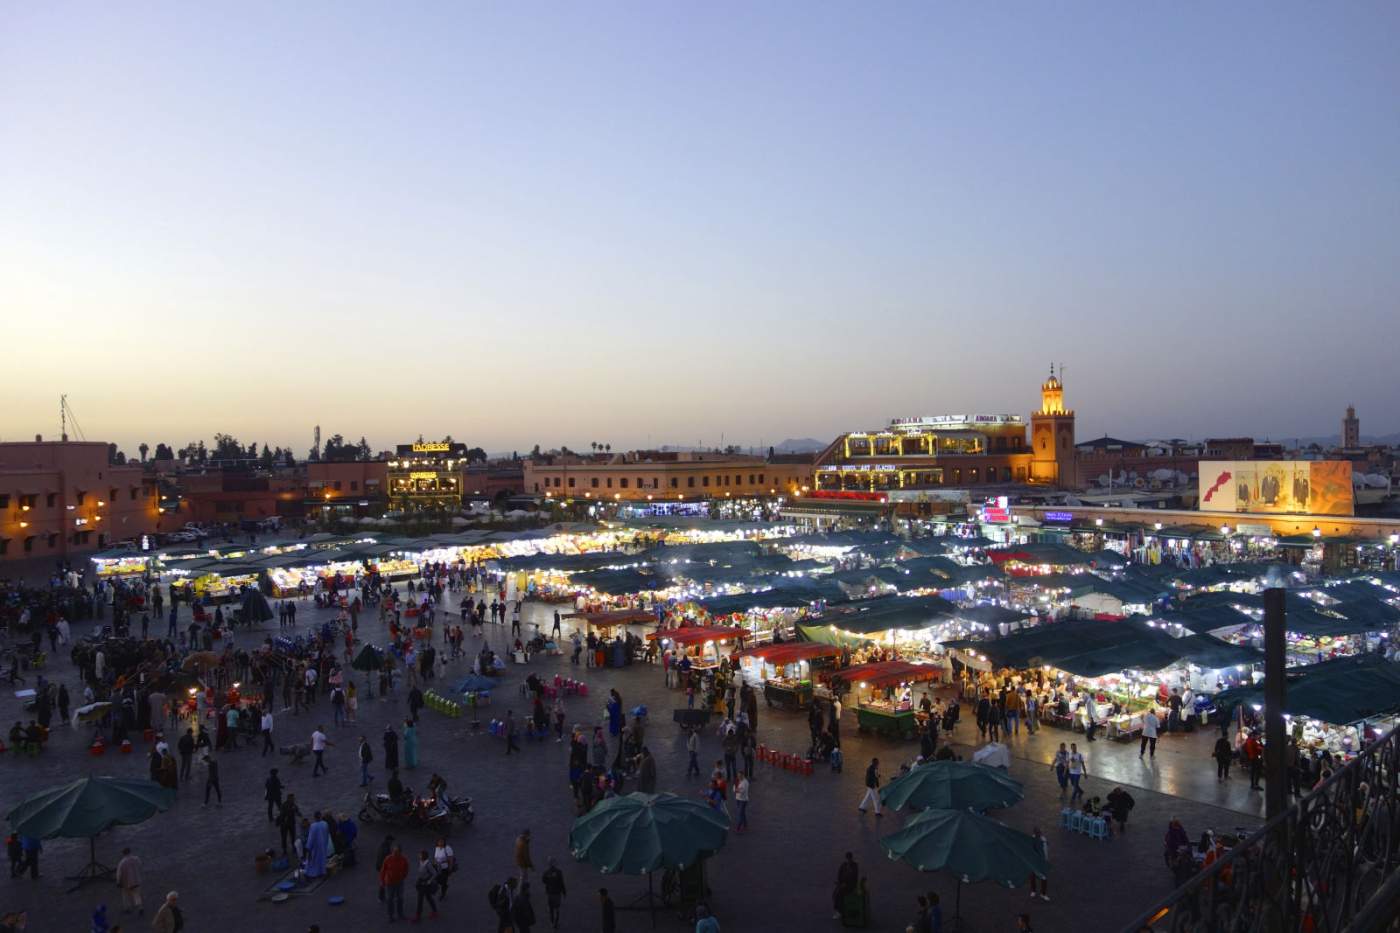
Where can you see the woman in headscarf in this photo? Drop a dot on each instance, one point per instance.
(410, 744)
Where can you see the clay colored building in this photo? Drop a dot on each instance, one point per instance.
(62, 499)
(653, 475)
(236, 496)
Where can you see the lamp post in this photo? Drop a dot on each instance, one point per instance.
(1275, 695)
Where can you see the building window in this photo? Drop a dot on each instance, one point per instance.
(113, 496)
(674, 482)
(760, 479)
(4, 546)
(610, 482)
(337, 485)
(595, 482)
(622, 481)
(642, 483)
(52, 499)
(972, 475)
(53, 540)
(133, 493)
(705, 481)
(81, 497)
(354, 485)
(4, 500)
(29, 544)
(690, 482)
(571, 482)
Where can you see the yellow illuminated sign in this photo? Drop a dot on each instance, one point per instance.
(434, 447)
(422, 475)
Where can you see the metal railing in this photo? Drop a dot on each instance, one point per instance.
(1327, 864)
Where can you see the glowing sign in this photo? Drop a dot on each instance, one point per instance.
(1059, 516)
(432, 447)
(423, 475)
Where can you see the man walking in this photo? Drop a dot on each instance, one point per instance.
(1149, 734)
(692, 745)
(556, 632)
(392, 874)
(318, 748)
(554, 891)
(1078, 768)
(211, 780)
(741, 797)
(366, 756)
(267, 731)
(272, 793)
(186, 747)
(872, 787)
(129, 880)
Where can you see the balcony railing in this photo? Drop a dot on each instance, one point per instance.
(1328, 864)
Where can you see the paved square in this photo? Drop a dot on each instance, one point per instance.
(778, 876)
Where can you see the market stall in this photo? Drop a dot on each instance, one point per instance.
(111, 564)
(883, 695)
(701, 643)
(785, 670)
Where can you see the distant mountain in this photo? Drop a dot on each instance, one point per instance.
(800, 445)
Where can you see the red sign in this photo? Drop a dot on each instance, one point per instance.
(843, 494)
(994, 513)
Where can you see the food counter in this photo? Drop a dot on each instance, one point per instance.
(134, 565)
(886, 719)
(788, 694)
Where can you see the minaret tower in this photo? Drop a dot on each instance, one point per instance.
(1052, 435)
(1351, 429)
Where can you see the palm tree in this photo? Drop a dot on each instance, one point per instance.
(594, 445)
(608, 447)
(143, 448)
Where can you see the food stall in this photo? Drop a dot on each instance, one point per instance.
(785, 670)
(216, 580)
(701, 643)
(110, 564)
(883, 699)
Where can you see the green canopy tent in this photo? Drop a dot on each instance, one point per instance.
(637, 833)
(1338, 692)
(86, 807)
(952, 785)
(971, 846)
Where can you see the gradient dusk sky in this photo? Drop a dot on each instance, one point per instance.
(660, 223)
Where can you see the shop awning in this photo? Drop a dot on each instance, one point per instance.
(1054, 555)
(888, 673)
(567, 563)
(788, 652)
(698, 634)
(1202, 619)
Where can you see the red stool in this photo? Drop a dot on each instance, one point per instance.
(126, 746)
(807, 768)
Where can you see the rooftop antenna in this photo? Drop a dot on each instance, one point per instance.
(65, 414)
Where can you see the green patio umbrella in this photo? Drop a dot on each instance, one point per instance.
(971, 846)
(86, 807)
(952, 785)
(638, 833)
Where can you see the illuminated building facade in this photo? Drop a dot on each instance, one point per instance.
(651, 475)
(427, 477)
(953, 451)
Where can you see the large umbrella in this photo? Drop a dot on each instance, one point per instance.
(370, 658)
(475, 683)
(255, 607)
(952, 785)
(638, 833)
(85, 808)
(971, 846)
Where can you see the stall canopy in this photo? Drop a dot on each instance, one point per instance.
(1095, 648)
(987, 614)
(1210, 618)
(1054, 555)
(909, 613)
(620, 582)
(889, 673)
(766, 599)
(788, 652)
(566, 562)
(699, 634)
(1339, 692)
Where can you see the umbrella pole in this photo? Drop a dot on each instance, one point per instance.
(92, 871)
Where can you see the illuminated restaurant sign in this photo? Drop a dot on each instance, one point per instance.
(1059, 516)
(434, 447)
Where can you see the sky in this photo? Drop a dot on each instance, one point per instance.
(668, 223)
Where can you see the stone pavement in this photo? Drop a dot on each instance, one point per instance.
(778, 876)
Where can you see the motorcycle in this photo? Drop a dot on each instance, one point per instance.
(460, 808)
(414, 814)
